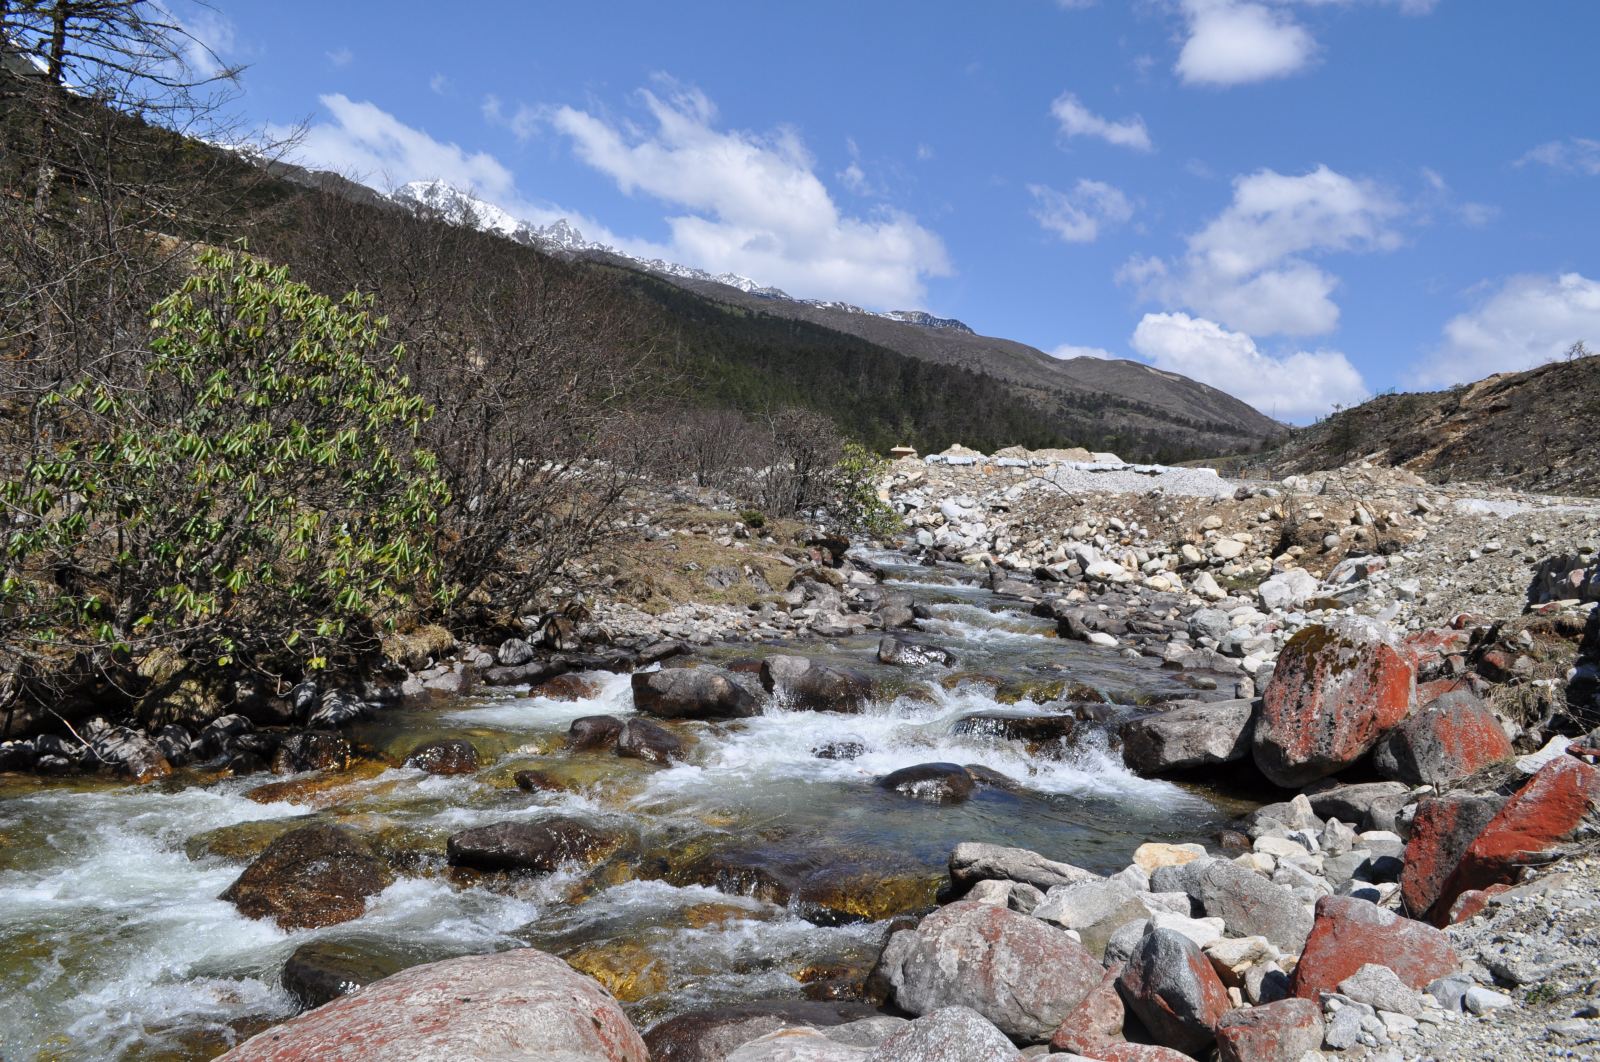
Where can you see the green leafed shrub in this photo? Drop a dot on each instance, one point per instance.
(853, 499)
(261, 499)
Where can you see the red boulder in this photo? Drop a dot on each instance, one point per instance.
(1278, 1032)
(1548, 811)
(1173, 989)
(1349, 933)
(1335, 691)
(1441, 830)
(1449, 739)
(1096, 1023)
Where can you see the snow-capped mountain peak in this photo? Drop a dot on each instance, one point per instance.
(464, 208)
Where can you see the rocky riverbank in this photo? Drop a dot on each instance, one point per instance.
(1414, 882)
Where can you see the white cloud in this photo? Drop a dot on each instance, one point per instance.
(1078, 216)
(1295, 386)
(1576, 154)
(340, 57)
(523, 121)
(368, 144)
(208, 36)
(753, 204)
(1069, 350)
(438, 83)
(1529, 321)
(1234, 43)
(1077, 120)
(924, 152)
(1441, 196)
(1248, 268)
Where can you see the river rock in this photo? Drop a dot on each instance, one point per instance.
(449, 756)
(1335, 691)
(1552, 808)
(711, 1035)
(949, 1034)
(528, 847)
(1365, 805)
(809, 686)
(321, 971)
(1188, 736)
(513, 1004)
(1019, 726)
(593, 732)
(336, 708)
(937, 783)
(310, 877)
(1285, 1031)
(692, 693)
(1094, 909)
(1096, 1022)
(972, 861)
(899, 651)
(131, 753)
(1350, 933)
(1441, 830)
(641, 739)
(1170, 985)
(1247, 903)
(1451, 738)
(312, 750)
(800, 1044)
(1018, 972)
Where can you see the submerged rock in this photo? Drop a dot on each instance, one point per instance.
(529, 847)
(809, 686)
(899, 651)
(309, 877)
(323, 970)
(450, 756)
(514, 1004)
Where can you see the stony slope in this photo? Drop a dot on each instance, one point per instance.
(1532, 430)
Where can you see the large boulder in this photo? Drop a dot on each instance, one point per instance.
(131, 753)
(514, 1004)
(593, 732)
(1550, 810)
(1022, 974)
(1247, 903)
(1285, 1031)
(1364, 805)
(1441, 830)
(974, 861)
(1449, 739)
(312, 750)
(806, 685)
(1092, 909)
(528, 847)
(640, 739)
(1188, 736)
(692, 693)
(1349, 933)
(1170, 986)
(310, 877)
(1335, 691)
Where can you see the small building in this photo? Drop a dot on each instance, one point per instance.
(902, 451)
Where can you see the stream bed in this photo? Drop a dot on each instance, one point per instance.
(753, 870)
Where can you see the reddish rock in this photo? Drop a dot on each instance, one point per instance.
(1448, 740)
(1278, 1032)
(1335, 691)
(1172, 988)
(1471, 903)
(1096, 1022)
(1548, 811)
(1433, 689)
(593, 732)
(565, 688)
(1349, 933)
(1441, 830)
(1430, 650)
(514, 1004)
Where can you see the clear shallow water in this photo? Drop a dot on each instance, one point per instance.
(114, 945)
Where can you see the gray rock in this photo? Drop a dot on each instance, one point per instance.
(868, 1032)
(950, 1034)
(1367, 805)
(972, 862)
(1020, 973)
(798, 1044)
(1480, 1000)
(1381, 988)
(1450, 990)
(513, 652)
(1170, 985)
(1246, 902)
(1188, 736)
(692, 693)
(1095, 909)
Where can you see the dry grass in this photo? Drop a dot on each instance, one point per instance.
(657, 576)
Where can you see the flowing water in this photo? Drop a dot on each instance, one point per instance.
(113, 943)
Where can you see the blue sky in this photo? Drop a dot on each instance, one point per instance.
(1299, 201)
